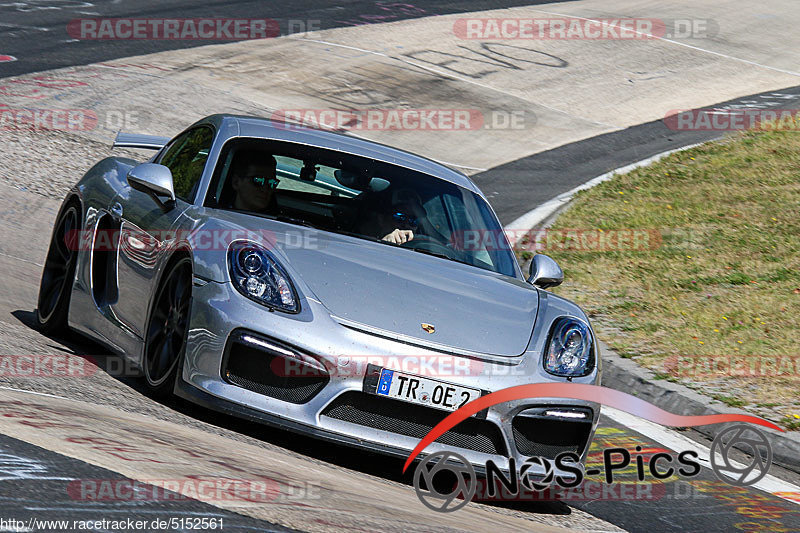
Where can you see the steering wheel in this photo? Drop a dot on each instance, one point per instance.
(428, 243)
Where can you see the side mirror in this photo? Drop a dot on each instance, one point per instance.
(153, 179)
(545, 272)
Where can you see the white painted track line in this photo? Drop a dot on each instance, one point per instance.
(34, 392)
(677, 442)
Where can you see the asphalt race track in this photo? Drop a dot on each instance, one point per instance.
(530, 181)
(33, 32)
(56, 434)
(40, 479)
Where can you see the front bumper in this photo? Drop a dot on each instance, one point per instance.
(342, 408)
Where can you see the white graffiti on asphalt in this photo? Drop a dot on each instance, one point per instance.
(15, 467)
(41, 5)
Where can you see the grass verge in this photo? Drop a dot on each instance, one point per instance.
(709, 294)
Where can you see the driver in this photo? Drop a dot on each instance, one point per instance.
(405, 216)
(254, 181)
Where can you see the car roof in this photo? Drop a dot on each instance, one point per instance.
(259, 127)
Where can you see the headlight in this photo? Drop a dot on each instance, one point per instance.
(256, 274)
(570, 351)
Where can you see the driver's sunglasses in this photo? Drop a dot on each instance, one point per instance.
(405, 220)
(261, 181)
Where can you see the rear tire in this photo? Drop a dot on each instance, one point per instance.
(55, 288)
(167, 329)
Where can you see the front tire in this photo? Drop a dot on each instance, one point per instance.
(55, 288)
(167, 329)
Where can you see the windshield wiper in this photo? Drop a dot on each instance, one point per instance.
(279, 218)
(435, 254)
(292, 220)
(444, 256)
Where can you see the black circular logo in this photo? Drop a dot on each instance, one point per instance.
(464, 486)
(542, 478)
(749, 440)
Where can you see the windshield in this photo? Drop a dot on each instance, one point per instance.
(362, 197)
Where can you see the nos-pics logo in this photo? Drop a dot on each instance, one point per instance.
(445, 481)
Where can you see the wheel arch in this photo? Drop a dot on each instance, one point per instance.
(182, 251)
(57, 319)
(72, 198)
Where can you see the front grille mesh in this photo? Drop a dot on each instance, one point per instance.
(540, 437)
(414, 421)
(289, 390)
(255, 369)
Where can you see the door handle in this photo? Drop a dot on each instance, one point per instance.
(116, 209)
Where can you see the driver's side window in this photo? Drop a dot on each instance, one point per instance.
(186, 157)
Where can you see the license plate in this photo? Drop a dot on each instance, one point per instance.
(424, 391)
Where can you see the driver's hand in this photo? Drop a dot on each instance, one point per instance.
(399, 236)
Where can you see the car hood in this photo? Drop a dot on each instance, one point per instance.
(398, 290)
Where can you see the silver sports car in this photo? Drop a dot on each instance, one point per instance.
(320, 283)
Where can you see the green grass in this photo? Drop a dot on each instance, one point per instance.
(729, 400)
(721, 272)
(791, 423)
